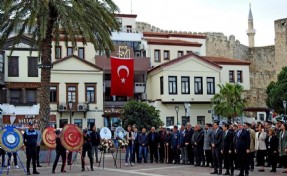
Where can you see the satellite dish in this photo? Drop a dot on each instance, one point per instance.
(105, 133)
(120, 133)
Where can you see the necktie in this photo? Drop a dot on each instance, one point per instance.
(239, 132)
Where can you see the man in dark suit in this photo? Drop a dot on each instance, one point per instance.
(153, 143)
(189, 132)
(242, 148)
(161, 134)
(227, 149)
(216, 141)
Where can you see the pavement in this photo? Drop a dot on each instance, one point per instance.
(144, 169)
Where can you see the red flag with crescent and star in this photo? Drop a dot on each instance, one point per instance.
(122, 76)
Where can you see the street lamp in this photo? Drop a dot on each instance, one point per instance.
(176, 110)
(70, 103)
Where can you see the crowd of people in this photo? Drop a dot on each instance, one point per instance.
(230, 146)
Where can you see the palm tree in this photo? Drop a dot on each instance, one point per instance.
(47, 20)
(228, 102)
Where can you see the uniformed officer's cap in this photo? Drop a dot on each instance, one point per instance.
(30, 123)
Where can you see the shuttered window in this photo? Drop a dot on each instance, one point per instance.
(13, 66)
(32, 67)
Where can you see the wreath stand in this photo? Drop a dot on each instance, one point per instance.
(75, 157)
(48, 157)
(119, 149)
(102, 156)
(10, 161)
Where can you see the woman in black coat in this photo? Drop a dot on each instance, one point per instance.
(272, 143)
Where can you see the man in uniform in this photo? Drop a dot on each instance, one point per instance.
(87, 148)
(30, 141)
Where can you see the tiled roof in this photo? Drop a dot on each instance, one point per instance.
(226, 61)
(167, 35)
(74, 56)
(171, 42)
(173, 61)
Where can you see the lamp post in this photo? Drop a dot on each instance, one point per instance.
(176, 110)
(70, 107)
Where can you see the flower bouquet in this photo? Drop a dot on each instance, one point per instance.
(106, 144)
(123, 143)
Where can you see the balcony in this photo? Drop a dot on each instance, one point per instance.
(77, 107)
(139, 87)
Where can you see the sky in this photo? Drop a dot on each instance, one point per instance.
(227, 16)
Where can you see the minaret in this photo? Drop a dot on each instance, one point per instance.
(250, 31)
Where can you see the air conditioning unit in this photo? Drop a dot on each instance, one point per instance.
(62, 107)
(81, 107)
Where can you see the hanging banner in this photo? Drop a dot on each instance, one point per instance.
(49, 137)
(11, 139)
(72, 137)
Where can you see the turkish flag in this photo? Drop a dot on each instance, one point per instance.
(122, 73)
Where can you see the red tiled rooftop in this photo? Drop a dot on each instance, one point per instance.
(172, 42)
(226, 61)
(167, 35)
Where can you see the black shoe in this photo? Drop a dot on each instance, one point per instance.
(83, 169)
(35, 172)
(240, 175)
(28, 173)
(226, 173)
(39, 165)
(231, 174)
(272, 170)
(220, 173)
(63, 171)
(92, 169)
(214, 172)
(53, 172)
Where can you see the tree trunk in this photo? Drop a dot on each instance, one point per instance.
(46, 52)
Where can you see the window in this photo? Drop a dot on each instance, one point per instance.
(239, 76)
(169, 121)
(198, 85)
(157, 55)
(81, 52)
(201, 120)
(185, 120)
(31, 96)
(166, 55)
(172, 85)
(185, 85)
(91, 93)
(1, 63)
(210, 85)
(179, 53)
(108, 77)
(69, 51)
(91, 123)
(58, 52)
(13, 66)
(231, 76)
(79, 123)
(53, 94)
(63, 122)
(129, 29)
(32, 67)
(188, 52)
(161, 85)
(15, 95)
(72, 93)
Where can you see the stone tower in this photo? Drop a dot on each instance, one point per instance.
(250, 31)
(280, 44)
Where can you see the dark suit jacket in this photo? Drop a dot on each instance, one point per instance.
(217, 138)
(188, 135)
(199, 138)
(273, 144)
(242, 142)
(227, 141)
(155, 140)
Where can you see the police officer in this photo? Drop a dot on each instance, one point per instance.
(87, 148)
(30, 141)
(60, 151)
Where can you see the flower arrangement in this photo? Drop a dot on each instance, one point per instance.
(123, 143)
(107, 143)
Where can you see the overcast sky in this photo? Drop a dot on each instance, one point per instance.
(227, 16)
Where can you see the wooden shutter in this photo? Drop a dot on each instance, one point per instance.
(32, 67)
(13, 66)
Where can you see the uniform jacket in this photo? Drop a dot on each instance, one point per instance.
(260, 141)
(199, 140)
(181, 138)
(175, 139)
(282, 143)
(155, 141)
(207, 139)
(59, 146)
(30, 138)
(95, 138)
